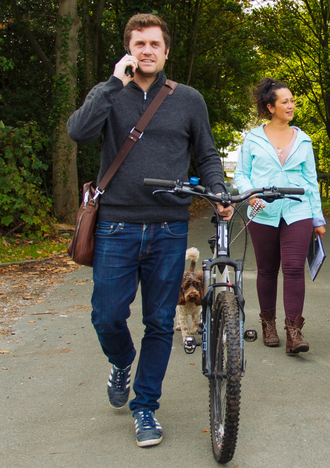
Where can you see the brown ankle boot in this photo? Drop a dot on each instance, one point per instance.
(294, 337)
(269, 332)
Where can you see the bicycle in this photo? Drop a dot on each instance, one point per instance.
(222, 316)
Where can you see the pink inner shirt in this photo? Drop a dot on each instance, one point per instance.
(284, 153)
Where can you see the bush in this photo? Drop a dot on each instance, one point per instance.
(22, 202)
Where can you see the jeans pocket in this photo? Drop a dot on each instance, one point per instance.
(104, 229)
(177, 229)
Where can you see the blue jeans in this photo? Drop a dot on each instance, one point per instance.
(126, 254)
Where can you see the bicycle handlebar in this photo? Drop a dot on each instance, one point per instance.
(290, 191)
(266, 193)
(160, 183)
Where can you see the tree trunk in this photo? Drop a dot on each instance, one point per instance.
(88, 47)
(65, 177)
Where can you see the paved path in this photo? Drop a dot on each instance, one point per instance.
(55, 412)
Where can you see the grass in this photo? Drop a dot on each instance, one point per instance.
(326, 206)
(17, 249)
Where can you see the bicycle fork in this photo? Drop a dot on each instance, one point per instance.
(207, 307)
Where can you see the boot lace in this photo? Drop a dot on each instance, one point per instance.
(295, 333)
(270, 327)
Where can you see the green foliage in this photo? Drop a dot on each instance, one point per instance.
(293, 40)
(226, 138)
(22, 202)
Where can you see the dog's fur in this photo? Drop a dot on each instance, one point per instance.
(191, 295)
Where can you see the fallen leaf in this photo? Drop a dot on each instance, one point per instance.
(4, 368)
(4, 351)
(31, 321)
(206, 431)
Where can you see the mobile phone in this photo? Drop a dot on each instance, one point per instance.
(129, 70)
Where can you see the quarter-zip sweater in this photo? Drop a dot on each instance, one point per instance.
(163, 152)
(259, 166)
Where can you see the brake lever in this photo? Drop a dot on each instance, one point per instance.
(163, 191)
(177, 191)
(277, 196)
(294, 198)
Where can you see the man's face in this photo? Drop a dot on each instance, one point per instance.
(148, 47)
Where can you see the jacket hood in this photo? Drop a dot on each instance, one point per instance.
(256, 133)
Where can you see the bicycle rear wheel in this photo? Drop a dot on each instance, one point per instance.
(225, 383)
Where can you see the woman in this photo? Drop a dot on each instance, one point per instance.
(276, 154)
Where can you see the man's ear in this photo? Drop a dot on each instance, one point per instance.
(166, 53)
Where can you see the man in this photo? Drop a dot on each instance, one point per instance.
(141, 237)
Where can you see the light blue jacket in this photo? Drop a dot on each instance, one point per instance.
(259, 166)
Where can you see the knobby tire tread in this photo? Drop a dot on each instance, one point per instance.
(225, 320)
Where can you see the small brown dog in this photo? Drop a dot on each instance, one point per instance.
(191, 295)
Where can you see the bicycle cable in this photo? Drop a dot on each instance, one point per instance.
(257, 207)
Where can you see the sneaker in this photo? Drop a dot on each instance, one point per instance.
(147, 429)
(119, 386)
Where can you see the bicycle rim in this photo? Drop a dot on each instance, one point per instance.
(225, 386)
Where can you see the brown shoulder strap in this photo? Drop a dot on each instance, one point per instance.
(136, 133)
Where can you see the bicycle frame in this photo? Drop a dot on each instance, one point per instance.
(220, 262)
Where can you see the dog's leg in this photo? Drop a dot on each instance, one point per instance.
(178, 318)
(195, 316)
(184, 326)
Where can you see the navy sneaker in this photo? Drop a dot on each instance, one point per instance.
(147, 429)
(119, 386)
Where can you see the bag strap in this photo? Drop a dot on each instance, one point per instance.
(135, 134)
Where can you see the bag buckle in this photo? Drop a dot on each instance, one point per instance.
(97, 193)
(137, 134)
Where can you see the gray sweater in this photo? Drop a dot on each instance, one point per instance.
(163, 152)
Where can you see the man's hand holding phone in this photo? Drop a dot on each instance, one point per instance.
(125, 68)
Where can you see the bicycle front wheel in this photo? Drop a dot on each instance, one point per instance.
(225, 382)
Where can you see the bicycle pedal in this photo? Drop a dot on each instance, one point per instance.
(189, 344)
(250, 335)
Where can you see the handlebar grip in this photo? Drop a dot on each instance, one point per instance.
(291, 191)
(160, 183)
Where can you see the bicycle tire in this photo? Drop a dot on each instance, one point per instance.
(225, 382)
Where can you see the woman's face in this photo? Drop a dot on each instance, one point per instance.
(284, 105)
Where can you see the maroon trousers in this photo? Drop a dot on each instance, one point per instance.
(287, 245)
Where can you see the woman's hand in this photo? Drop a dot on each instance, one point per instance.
(319, 231)
(253, 200)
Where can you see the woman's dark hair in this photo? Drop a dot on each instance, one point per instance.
(265, 94)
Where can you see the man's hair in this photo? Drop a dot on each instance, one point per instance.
(146, 20)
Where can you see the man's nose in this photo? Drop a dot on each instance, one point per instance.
(147, 49)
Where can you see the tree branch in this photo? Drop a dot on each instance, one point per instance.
(28, 33)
